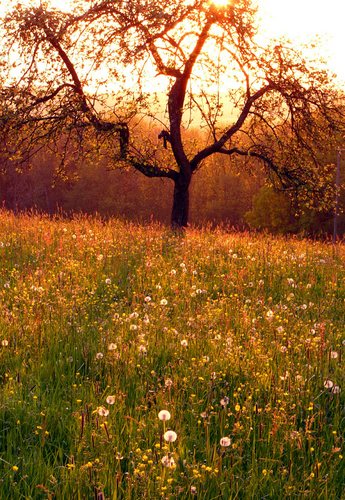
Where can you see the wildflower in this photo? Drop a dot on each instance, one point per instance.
(193, 490)
(164, 415)
(170, 436)
(99, 355)
(168, 383)
(224, 401)
(110, 400)
(112, 346)
(4, 343)
(103, 412)
(328, 384)
(108, 281)
(225, 441)
(147, 299)
(168, 461)
(163, 302)
(334, 354)
(142, 349)
(269, 314)
(336, 389)
(15, 468)
(184, 343)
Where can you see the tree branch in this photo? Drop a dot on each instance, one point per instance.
(217, 145)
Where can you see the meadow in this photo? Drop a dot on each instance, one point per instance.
(135, 364)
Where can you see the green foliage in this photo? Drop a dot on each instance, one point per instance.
(272, 211)
(103, 325)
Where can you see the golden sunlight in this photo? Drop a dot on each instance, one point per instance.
(295, 19)
(221, 3)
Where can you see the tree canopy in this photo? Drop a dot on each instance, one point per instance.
(88, 77)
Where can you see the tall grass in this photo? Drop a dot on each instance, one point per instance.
(237, 336)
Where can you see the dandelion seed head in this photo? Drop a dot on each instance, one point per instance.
(225, 441)
(103, 412)
(170, 436)
(164, 415)
(328, 384)
(168, 461)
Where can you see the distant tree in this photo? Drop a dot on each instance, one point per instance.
(272, 211)
(260, 103)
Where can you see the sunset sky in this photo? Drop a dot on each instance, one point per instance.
(302, 19)
(299, 20)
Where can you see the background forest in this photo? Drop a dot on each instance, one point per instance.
(222, 193)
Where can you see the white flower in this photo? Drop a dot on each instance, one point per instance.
(99, 355)
(225, 441)
(142, 349)
(184, 343)
(168, 382)
(103, 412)
(170, 436)
(110, 400)
(133, 328)
(147, 299)
(163, 302)
(168, 461)
(334, 354)
(224, 401)
(4, 343)
(336, 389)
(193, 490)
(328, 384)
(164, 415)
(108, 281)
(112, 347)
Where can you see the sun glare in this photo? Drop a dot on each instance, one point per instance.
(221, 3)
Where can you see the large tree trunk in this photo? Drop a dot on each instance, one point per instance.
(180, 208)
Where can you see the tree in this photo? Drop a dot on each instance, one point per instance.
(265, 104)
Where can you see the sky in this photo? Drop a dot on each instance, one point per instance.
(299, 20)
(302, 19)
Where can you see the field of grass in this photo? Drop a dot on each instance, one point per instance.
(239, 338)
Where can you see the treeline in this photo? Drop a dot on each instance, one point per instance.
(222, 193)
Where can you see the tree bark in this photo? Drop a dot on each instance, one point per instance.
(180, 208)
